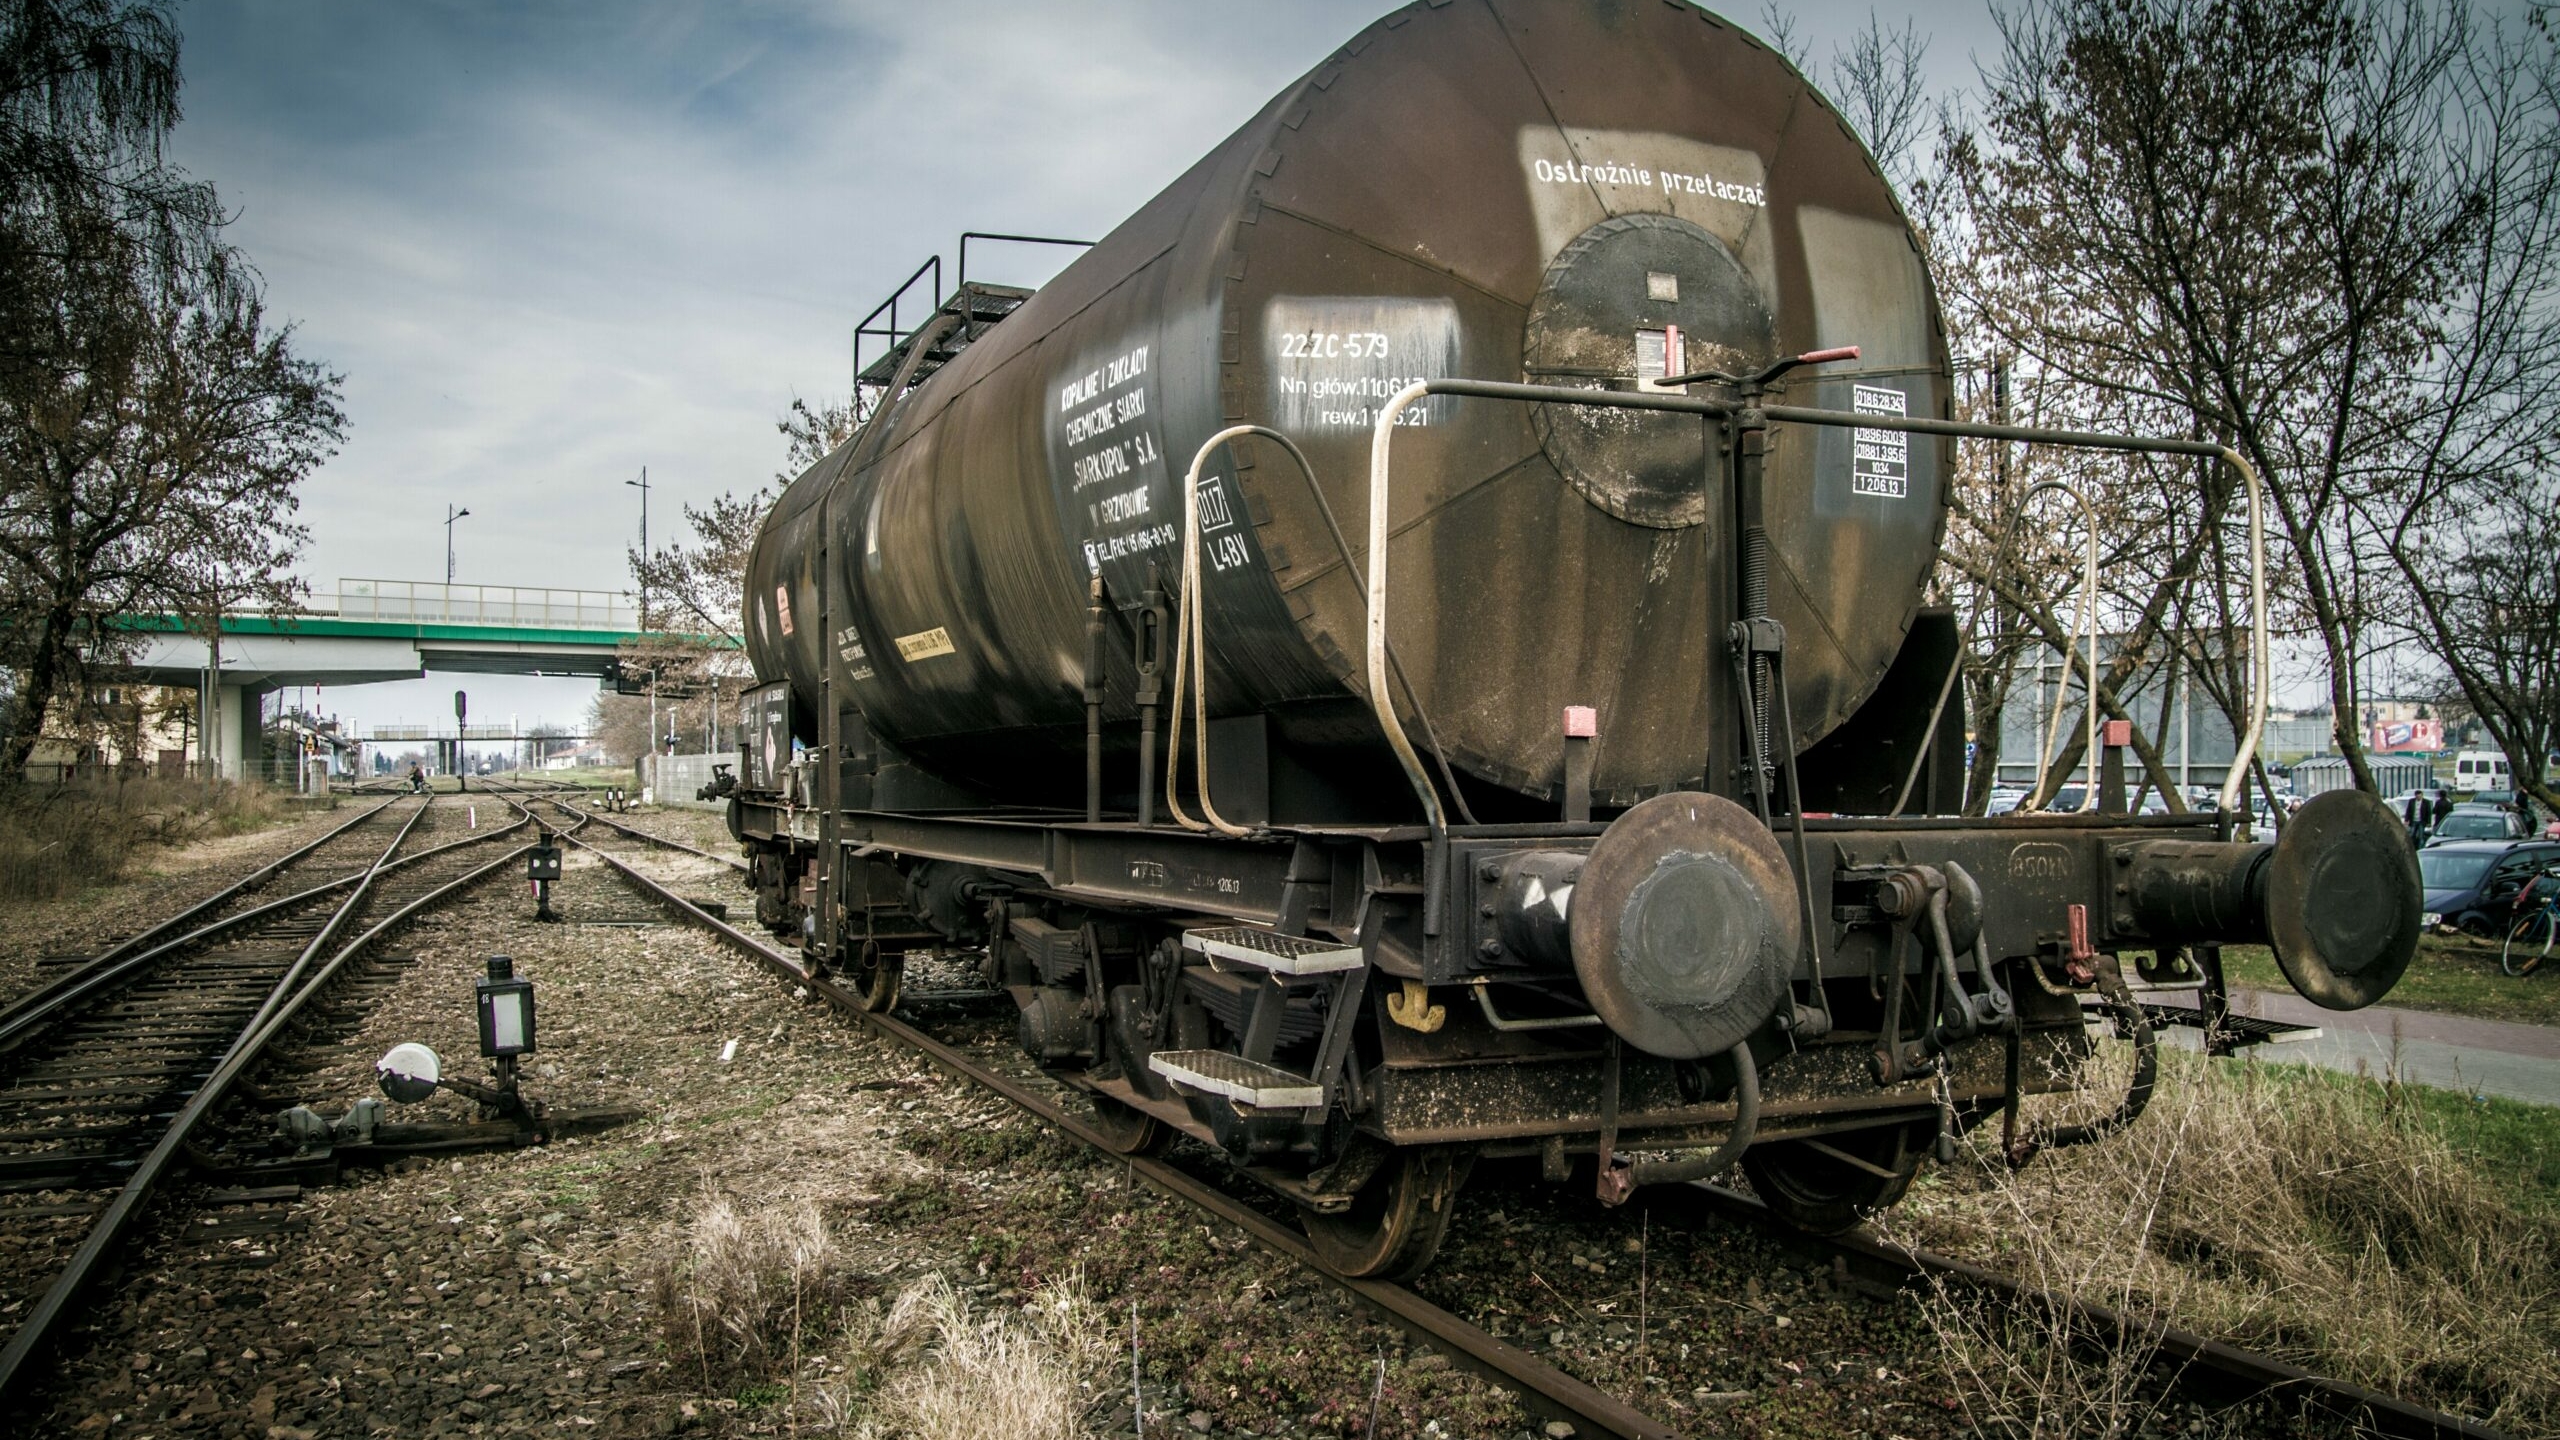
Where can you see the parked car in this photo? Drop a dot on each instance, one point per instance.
(2471, 885)
(2478, 822)
(2004, 800)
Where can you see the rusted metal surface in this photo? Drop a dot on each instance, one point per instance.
(1685, 928)
(2342, 898)
(1479, 188)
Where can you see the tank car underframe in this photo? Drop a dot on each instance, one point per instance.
(1444, 1035)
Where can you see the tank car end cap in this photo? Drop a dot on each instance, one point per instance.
(2342, 900)
(1684, 926)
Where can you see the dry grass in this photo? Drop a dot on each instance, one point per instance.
(2317, 1217)
(747, 1288)
(765, 1307)
(934, 1369)
(57, 839)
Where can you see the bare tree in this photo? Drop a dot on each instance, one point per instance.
(153, 426)
(2237, 220)
(620, 724)
(1877, 82)
(161, 447)
(1780, 26)
(2491, 597)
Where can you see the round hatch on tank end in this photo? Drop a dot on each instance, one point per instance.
(1609, 309)
(2342, 900)
(1685, 926)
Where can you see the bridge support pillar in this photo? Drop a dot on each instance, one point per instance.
(228, 729)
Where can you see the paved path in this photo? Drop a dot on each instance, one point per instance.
(2450, 1052)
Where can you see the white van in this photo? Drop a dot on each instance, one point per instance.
(2477, 770)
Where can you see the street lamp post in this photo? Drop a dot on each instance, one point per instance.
(450, 515)
(642, 485)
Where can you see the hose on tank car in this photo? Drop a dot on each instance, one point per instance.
(2017, 1148)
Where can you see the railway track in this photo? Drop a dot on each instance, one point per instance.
(2204, 1368)
(112, 1070)
(336, 854)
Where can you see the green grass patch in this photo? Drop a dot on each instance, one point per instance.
(2514, 1145)
(2449, 977)
(2393, 1235)
(1019, 1145)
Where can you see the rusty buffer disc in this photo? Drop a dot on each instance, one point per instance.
(2343, 895)
(1685, 926)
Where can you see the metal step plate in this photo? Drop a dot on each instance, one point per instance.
(1263, 950)
(2243, 1029)
(1247, 1082)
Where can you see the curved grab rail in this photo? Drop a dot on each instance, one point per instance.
(1381, 699)
(2088, 630)
(1190, 660)
(2247, 754)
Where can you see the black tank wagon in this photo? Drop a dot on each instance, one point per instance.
(1578, 832)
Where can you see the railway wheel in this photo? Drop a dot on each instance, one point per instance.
(1395, 1224)
(1827, 1185)
(1128, 1130)
(874, 975)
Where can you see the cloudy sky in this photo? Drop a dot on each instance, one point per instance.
(548, 245)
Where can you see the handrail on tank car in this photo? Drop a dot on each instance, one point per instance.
(2089, 629)
(1191, 634)
(1189, 622)
(968, 235)
(1389, 414)
(864, 326)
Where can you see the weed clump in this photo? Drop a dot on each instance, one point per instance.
(933, 1367)
(2322, 1218)
(737, 1299)
(58, 839)
(770, 1310)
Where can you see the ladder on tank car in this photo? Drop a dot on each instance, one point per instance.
(953, 322)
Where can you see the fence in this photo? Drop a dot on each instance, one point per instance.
(531, 607)
(2392, 774)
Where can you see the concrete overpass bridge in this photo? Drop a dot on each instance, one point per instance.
(377, 630)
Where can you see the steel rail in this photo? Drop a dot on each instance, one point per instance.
(40, 997)
(634, 831)
(36, 1333)
(1543, 1388)
(19, 1024)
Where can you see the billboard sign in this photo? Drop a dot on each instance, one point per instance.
(2393, 735)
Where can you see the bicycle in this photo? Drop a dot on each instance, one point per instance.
(2533, 933)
